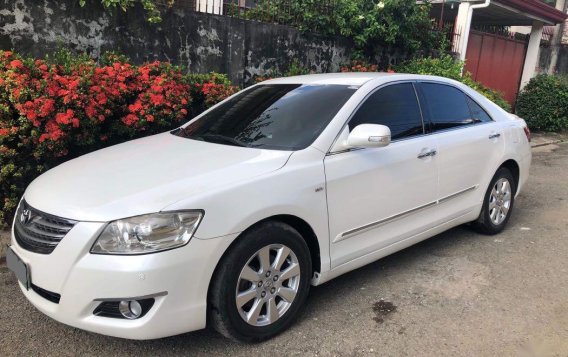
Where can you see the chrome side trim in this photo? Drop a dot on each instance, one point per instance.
(447, 198)
(376, 224)
(398, 216)
(343, 151)
(163, 293)
(414, 83)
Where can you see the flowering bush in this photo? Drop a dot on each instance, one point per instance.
(210, 89)
(55, 109)
(359, 66)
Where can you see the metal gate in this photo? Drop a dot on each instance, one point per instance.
(497, 62)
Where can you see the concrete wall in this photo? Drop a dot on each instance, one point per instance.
(561, 66)
(200, 42)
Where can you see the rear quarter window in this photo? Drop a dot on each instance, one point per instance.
(446, 106)
(477, 112)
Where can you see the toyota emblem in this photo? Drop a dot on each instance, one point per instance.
(25, 216)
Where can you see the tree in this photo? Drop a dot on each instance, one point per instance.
(150, 6)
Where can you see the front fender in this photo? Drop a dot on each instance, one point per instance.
(297, 189)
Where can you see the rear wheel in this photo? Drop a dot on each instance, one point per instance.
(497, 204)
(261, 284)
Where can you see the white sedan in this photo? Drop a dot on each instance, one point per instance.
(228, 220)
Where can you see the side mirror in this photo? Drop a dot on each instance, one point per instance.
(369, 136)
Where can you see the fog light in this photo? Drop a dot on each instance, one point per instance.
(134, 308)
(130, 309)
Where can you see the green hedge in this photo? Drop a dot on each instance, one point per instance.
(543, 103)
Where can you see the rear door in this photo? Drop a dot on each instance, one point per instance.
(469, 145)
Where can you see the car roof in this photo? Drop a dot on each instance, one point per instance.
(346, 78)
(349, 78)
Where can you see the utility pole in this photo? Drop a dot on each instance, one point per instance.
(556, 41)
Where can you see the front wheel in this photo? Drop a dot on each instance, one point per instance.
(497, 204)
(261, 284)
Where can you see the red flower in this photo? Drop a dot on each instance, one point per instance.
(156, 99)
(17, 64)
(137, 106)
(64, 118)
(90, 111)
(102, 99)
(130, 119)
(31, 115)
(47, 107)
(53, 132)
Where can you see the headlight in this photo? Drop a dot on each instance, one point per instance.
(148, 233)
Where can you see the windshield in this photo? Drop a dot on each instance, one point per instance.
(273, 116)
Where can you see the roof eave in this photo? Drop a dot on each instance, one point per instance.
(537, 8)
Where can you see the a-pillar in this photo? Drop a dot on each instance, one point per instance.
(531, 59)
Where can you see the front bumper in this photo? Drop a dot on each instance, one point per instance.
(178, 278)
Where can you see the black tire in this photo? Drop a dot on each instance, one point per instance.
(484, 224)
(224, 315)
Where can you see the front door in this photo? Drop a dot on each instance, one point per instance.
(378, 196)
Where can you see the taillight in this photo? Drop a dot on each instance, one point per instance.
(527, 133)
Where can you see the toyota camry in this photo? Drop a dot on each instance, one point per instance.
(229, 219)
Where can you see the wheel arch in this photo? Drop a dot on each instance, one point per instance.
(303, 227)
(299, 224)
(513, 166)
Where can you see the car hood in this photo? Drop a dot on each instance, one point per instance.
(144, 176)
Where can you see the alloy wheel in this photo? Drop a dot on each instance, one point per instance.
(267, 285)
(500, 201)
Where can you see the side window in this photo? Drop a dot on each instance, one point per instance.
(395, 106)
(446, 106)
(477, 112)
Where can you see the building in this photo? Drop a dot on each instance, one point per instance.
(496, 57)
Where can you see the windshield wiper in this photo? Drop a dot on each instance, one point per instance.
(222, 139)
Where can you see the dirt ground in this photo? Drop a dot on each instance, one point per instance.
(457, 294)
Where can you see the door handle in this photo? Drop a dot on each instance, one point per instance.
(494, 136)
(427, 154)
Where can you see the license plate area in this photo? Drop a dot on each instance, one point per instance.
(19, 268)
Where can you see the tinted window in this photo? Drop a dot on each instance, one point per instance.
(278, 116)
(477, 111)
(395, 106)
(446, 106)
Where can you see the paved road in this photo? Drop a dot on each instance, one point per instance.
(458, 294)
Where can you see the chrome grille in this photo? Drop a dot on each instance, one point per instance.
(39, 232)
